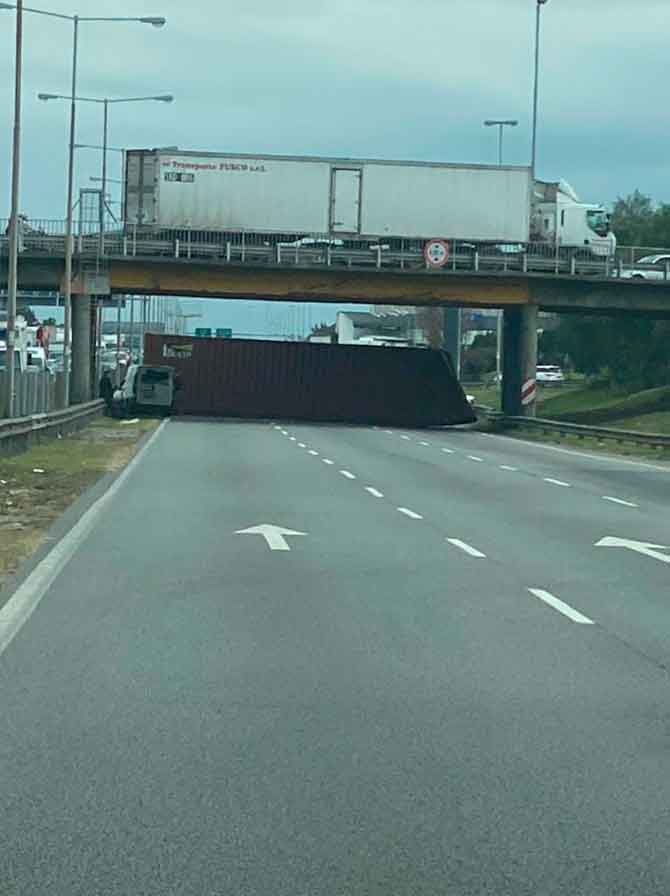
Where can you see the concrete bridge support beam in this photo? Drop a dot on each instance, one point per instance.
(519, 389)
(80, 377)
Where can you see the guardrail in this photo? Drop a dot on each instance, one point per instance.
(20, 433)
(324, 250)
(622, 436)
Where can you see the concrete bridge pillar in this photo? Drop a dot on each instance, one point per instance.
(452, 336)
(80, 377)
(519, 388)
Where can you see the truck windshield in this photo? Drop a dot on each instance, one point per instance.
(599, 221)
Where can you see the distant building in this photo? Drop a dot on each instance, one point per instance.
(373, 328)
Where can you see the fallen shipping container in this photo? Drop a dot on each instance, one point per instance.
(306, 381)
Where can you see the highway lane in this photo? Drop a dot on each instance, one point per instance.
(377, 710)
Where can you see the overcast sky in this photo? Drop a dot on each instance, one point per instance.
(385, 78)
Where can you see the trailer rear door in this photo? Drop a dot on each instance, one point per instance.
(345, 200)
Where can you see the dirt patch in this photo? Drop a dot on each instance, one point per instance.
(37, 486)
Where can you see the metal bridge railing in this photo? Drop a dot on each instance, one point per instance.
(46, 237)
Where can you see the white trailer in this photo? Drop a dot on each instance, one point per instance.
(343, 198)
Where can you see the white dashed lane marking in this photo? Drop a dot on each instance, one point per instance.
(619, 501)
(301, 445)
(559, 605)
(331, 463)
(373, 492)
(406, 438)
(425, 444)
(448, 451)
(478, 460)
(314, 453)
(509, 469)
(558, 482)
(347, 474)
(466, 548)
(410, 513)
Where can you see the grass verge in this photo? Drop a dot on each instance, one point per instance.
(38, 485)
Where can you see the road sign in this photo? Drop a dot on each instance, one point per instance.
(224, 333)
(203, 331)
(436, 253)
(273, 535)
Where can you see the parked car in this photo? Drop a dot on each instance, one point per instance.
(651, 267)
(550, 375)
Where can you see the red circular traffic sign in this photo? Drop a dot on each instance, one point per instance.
(436, 253)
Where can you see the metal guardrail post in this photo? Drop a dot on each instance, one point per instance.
(477, 260)
(228, 250)
(176, 247)
(525, 263)
(573, 265)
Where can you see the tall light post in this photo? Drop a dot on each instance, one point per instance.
(501, 124)
(156, 22)
(533, 158)
(12, 282)
(105, 102)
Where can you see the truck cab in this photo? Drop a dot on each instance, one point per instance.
(561, 220)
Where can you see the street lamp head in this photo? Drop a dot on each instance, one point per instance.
(159, 21)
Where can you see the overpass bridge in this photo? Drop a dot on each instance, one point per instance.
(521, 279)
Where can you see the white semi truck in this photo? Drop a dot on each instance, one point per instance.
(357, 199)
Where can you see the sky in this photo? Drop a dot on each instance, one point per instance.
(374, 78)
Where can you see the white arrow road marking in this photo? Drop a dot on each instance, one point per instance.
(274, 535)
(640, 547)
(468, 549)
(619, 501)
(562, 607)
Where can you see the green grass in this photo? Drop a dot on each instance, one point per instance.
(602, 404)
(658, 423)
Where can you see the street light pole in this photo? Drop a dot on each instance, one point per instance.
(501, 124)
(67, 286)
(540, 4)
(12, 284)
(103, 197)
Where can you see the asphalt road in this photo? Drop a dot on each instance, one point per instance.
(443, 687)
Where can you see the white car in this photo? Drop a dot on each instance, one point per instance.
(550, 375)
(651, 267)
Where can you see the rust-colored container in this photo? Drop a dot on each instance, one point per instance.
(311, 381)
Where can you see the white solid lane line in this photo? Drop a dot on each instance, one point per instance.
(619, 501)
(25, 600)
(478, 460)
(314, 453)
(410, 513)
(509, 469)
(448, 451)
(373, 492)
(347, 474)
(563, 608)
(331, 463)
(558, 482)
(468, 549)
(301, 445)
